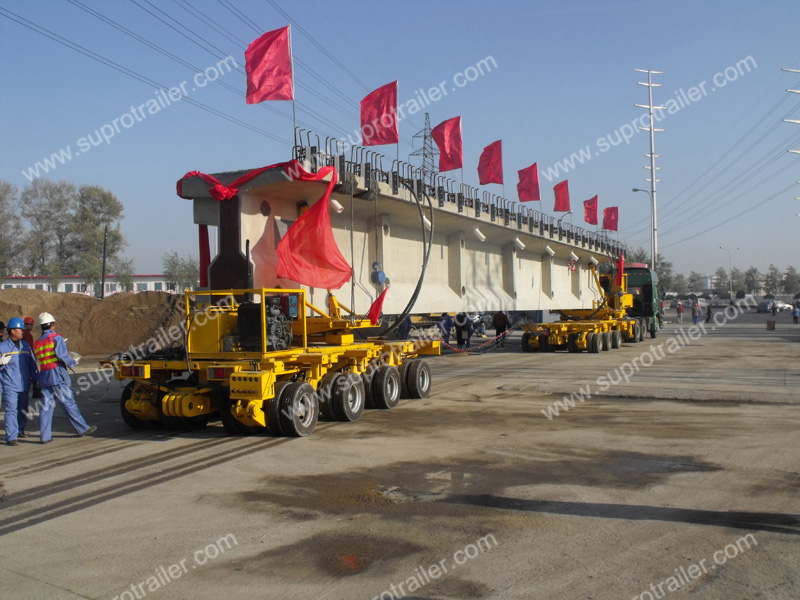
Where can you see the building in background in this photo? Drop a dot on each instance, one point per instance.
(77, 284)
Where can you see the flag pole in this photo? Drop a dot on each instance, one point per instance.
(294, 110)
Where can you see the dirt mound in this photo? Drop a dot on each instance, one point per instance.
(93, 326)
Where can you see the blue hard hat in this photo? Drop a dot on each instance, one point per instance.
(15, 323)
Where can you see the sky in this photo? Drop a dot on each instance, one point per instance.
(557, 83)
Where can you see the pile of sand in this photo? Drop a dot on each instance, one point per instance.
(93, 326)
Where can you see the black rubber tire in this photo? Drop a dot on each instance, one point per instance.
(653, 329)
(299, 409)
(366, 377)
(325, 395)
(606, 340)
(385, 387)
(349, 397)
(572, 343)
(130, 420)
(642, 329)
(231, 424)
(526, 341)
(418, 379)
(544, 343)
(596, 343)
(635, 338)
(403, 370)
(616, 339)
(272, 409)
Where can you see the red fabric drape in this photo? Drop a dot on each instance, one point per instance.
(374, 312)
(268, 64)
(620, 269)
(590, 211)
(308, 253)
(562, 197)
(379, 116)
(490, 165)
(611, 218)
(528, 186)
(447, 136)
(205, 255)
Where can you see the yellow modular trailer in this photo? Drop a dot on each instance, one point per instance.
(266, 358)
(603, 327)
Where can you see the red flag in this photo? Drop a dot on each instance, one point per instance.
(528, 186)
(374, 312)
(611, 218)
(379, 116)
(447, 136)
(620, 270)
(562, 197)
(590, 211)
(308, 253)
(490, 165)
(268, 64)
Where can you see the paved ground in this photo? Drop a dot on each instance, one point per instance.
(682, 482)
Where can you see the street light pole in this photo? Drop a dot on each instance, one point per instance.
(653, 242)
(730, 270)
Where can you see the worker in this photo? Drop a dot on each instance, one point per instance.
(54, 360)
(17, 371)
(404, 329)
(26, 333)
(2, 330)
(501, 324)
(446, 325)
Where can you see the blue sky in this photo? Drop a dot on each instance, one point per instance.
(563, 79)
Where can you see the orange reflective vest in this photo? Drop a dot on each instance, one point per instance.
(45, 351)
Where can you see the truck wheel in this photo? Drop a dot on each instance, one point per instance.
(572, 343)
(525, 341)
(606, 341)
(593, 342)
(127, 417)
(230, 423)
(299, 409)
(385, 387)
(347, 400)
(325, 395)
(653, 329)
(418, 378)
(642, 329)
(616, 339)
(544, 343)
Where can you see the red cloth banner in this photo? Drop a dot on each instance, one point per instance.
(447, 136)
(205, 255)
(490, 165)
(308, 253)
(374, 312)
(379, 116)
(562, 197)
(590, 211)
(268, 64)
(611, 218)
(528, 186)
(620, 269)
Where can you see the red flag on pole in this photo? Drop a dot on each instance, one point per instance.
(590, 211)
(374, 312)
(620, 269)
(308, 253)
(490, 165)
(528, 186)
(447, 136)
(379, 116)
(562, 197)
(268, 64)
(611, 218)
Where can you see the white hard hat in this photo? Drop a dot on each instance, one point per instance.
(46, 318)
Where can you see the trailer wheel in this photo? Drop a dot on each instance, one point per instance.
(606, 341)
(544, 343)
(385, 387)
(525, 341)
(616, 339)
(403, 370)
(572, 343)
(272, 409)
(325, 395)
(347, 400)
(299, 409)
(129, 419)
(593, 342)
(418, 378)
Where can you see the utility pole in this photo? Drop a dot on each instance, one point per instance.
(428, 150)
(103, 277)
(653, 180)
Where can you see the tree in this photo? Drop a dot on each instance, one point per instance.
(695, 282)
(738, 280)
(679, 284)
(46, 207)
(722, 282)
(772, 280)
(9, 197)
(180, 273)
(96, 209)
(752, 280)
(123, 269)
(663, 266)
(791, 281)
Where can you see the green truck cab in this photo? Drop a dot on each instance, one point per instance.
(648, 296)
